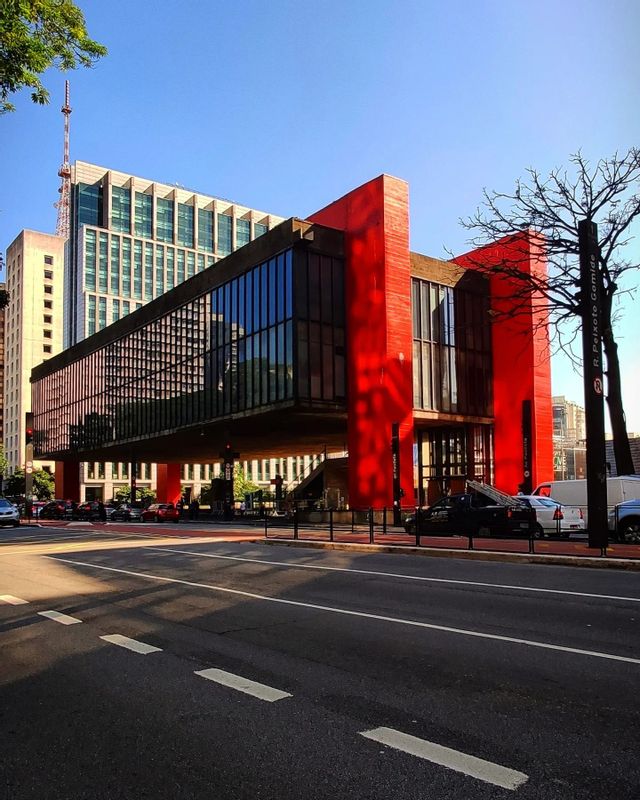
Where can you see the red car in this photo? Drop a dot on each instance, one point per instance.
(161, 512)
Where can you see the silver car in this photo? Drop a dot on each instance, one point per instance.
(127, 513)
(9, 514)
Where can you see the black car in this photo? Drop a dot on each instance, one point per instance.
(59, 509)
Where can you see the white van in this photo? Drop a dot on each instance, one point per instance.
(574, 493)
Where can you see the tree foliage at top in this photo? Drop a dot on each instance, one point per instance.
(606, 193)
(36, 35)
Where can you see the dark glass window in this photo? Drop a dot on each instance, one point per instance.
(243, 232)
(205, 230)
(164, 220)
(185, 225)
(144, 215)
(259, 229)
(90, 260)
(90, 204)
(121, 209)
(225, 242)
(451, 348)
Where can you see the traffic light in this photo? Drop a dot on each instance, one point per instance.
(28, 428)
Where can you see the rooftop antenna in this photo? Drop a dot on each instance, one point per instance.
(62, 224)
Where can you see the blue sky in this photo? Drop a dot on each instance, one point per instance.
(286, 106)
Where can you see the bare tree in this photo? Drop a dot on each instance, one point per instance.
(551, 207)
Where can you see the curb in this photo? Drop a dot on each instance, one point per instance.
(632, 565)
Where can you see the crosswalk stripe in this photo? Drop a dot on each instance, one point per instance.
(241, 684)
(56, 616)
(131, 644)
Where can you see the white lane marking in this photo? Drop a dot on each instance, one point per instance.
(478, 768)
(56, 616)
(11, 600)
(258, 690)
(131, 644)
(363, 614)
(293, 565)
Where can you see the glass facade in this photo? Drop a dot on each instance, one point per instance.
(205, 230)
(243, 232)
(185, 225)
(120, 209)
(229, 350)
(144, 215)
(451, 349)
(225, 242)
(259, 229)
(89, 204)
(164, 220)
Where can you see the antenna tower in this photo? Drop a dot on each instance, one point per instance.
(62, 224)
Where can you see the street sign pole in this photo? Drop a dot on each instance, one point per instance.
(593, 383)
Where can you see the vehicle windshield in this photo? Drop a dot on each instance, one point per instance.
(5, 503)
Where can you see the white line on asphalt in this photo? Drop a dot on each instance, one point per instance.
(63, 619)
(131, 644)
(485, 771)
(13, 601)
(349, 613)
(241, 684)
(294, 565)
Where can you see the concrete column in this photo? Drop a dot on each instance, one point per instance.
(67, 478)
(168, 483)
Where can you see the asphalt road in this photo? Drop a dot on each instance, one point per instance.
(183, 669)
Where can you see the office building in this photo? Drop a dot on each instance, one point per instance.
(33, 328)
(131, 240)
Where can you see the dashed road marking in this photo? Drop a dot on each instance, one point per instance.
(56, 616)
(259, 690)
(456, 760)
(131, 644)
(12, 601)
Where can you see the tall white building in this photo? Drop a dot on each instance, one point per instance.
(132, 239)
(33, 327)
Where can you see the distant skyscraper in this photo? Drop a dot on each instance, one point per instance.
(33, 326)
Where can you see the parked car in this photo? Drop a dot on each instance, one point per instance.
(624, 522)
(552, 518)
(127, 512)
(9, 514)
(59, 509)
(89, 510)
(483, 512)
(161, 512)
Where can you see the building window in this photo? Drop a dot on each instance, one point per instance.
(185, 225)
(48, 304)
(164, 220)
(89, 260)
(103, 263)
(224, 234)
(115, 265)
(46, 334)
(101, 470)
(137, 269)
(126, 266)
(46, 348)
(144, 215)
(47, 319)
(205, 230)
(243, 232)
(159, 270)
(91, 315)
(121, 209)
(48, 275)
(89, 204)
(148, 271)
(115, 310)
(48, 260)
(102, 313)
(48, 289)
(451, 348)
(259, 229)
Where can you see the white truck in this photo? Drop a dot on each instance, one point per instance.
(574, 493)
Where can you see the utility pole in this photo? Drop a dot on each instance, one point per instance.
(593, 383)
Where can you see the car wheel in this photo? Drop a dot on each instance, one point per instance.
(630, 531)
(538, 531)
(157, 518)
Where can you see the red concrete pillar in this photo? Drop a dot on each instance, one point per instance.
(67, 480)
(375, 219)
(521, 360)
(168, 483)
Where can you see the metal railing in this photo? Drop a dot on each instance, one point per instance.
(375, 526)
